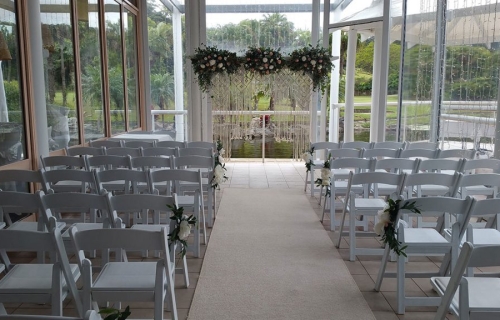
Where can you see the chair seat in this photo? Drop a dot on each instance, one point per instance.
(37, 278)
(82, 226)
(423, 236)
(67, 186)
(369, 204)
(138, 276)
(151, 227)
(479, 190)
(386, 189)
(434, 190)
(341, 173)
(33, 226)
(481, 237)
(483, 292)
(185, 201)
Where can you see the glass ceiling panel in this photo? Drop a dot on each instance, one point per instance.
(357, 10)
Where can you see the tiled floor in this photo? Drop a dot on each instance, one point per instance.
(287, 174)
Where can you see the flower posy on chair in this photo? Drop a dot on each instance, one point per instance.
(308, 158)
(220, 167)
(182, 228)
(387, 225)
(325, 174)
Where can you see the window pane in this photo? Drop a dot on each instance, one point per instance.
(12, 141)
(115, 66)
(132, 72)
(59, 68)
(90, 64)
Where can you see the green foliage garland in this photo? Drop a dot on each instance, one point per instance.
(209, 61)
(313, 61)
(263, 60)
(386, 227)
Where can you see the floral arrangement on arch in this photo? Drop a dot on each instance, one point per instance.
(387, 225)
(219, 167)
(263, 60)
(313, 61)
(209, 61)
(182, 228)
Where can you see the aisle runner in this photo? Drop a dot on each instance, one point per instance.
(269, 258)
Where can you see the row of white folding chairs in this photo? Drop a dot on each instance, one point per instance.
(157, 277)
(140, 151)
(376, 145)
(385, 153)
(112, 143)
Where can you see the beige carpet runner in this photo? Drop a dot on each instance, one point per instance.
(269, 258)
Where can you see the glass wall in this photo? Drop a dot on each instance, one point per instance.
(12, 120)
(90, 66)
(418, 70)
(115, 66)
(59, 69)
(129, 29)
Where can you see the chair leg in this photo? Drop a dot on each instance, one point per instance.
(185, 271)
(320, 194)
(311, 182)
(305, 181)
(400, 280)
(381, 270)
(57, 290)
(324, 209)
(344, 212)
(352, 236)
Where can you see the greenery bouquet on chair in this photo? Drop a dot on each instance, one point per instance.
(387, 225)
(308, 158)
(325, 174)
(182, 228)
(219, 167)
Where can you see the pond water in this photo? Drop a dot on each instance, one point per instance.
(281, 150)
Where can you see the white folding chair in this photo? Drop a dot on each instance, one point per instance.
(152, 162)
(478, 166)
(139, 144)
(61, 163)
(106, 143)
(36, 282)
(419, 153)
(422, 145)
(477, 297)
(341, 168)
(89, 315)
(204, 164)
(168, 181)
(125, 280)
(320, 155)
(192, 151)
(107, 162)
(357, 145)
(157, 205)
(160, 152)
(457, 153)
(85, 151)
(485, 184)
(398, 165)
(425, 241)
(366, 204)
(381, 153)
(171, 144)
(125, 151)
(389, 145)
(201, 144)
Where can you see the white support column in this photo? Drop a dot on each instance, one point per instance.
(36, 54)
(193, 40)
(178, 74)
(333, 134)
(377, 55)
(438, 74)
(146, 85)
(496, 151)
(349, 85)
(384, 72)
(324, 98)
(313, 135)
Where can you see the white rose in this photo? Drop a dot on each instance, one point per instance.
(221, 159)
(319, 67)
(219, 174)
(313, 62)
(379, 228)
(202, 66)
(384, 216)
(325, 176)
(184, 230)
(212, 62)
(304, 58)
(306, 157)
(271, 67)
(222, 151)
(264, 60)
(219, 65)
